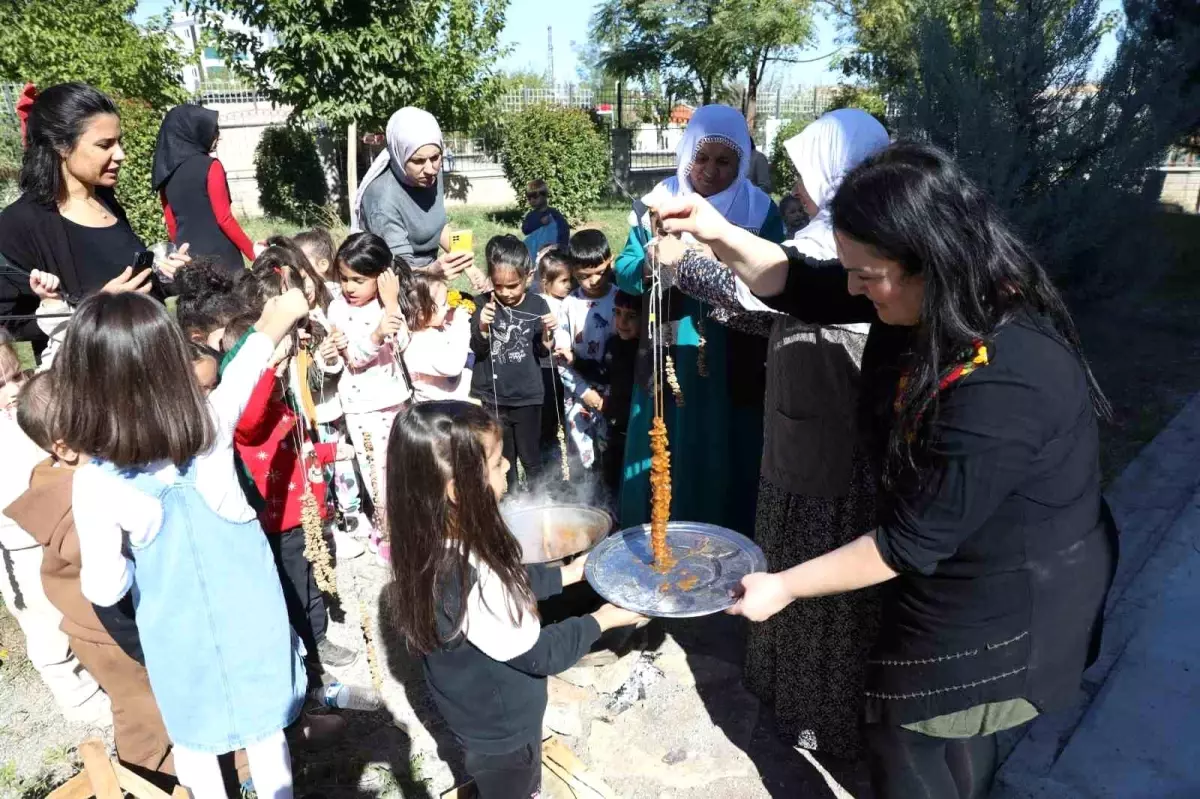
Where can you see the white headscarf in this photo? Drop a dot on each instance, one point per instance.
(408, 130)
(743, 203)
(823, 153)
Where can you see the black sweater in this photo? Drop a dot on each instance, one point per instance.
(1003, 553)
(494, 706)
(512, 350)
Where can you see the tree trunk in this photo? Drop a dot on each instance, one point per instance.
(754, 76)
(352, 168)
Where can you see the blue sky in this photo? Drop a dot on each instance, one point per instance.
(526, 32)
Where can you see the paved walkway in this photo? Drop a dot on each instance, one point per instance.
(1135, 734)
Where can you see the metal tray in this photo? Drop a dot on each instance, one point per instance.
(548, 533)
(710, 563)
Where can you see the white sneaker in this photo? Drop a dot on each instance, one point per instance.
(95, 712)
(345, 547)
(359, 525)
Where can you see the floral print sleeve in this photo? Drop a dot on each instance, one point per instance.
(712, 282)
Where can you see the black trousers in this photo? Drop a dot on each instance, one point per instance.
(910, 765)
(522, 430)
(305, 605)
(513, 775)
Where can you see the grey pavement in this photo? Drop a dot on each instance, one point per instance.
(1136, 732)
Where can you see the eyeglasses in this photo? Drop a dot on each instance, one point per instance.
(533, 195)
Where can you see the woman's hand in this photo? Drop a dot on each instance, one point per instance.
(45, 285)
(763, 595)
(128, 281)
(174, 262)
(610, 616)
(669, 250)
(565, 354)
(573, 572)
(455, 263)
(691, 213)
(389, 291)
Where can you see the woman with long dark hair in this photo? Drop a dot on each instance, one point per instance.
(67, 220)
(992, 538)
(194, 191)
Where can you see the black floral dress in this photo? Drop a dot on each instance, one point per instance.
(816, 492)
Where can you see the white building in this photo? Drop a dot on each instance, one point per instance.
(204, 63)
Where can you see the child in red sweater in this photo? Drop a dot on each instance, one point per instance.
(282, 461)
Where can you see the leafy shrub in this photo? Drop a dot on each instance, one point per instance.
(139, 132)
(562, 147)
(291, 183)
(783, 174)
(849, 96)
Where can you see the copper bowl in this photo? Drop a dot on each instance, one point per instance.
(549, 533)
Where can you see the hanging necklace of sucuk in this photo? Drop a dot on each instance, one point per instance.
(659, 328)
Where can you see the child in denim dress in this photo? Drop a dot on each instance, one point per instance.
(160, 513)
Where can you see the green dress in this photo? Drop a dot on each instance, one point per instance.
(715, 443)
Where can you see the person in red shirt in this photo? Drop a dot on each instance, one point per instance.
(283, 464)
(194, 191)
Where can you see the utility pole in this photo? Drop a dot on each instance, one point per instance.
(550, 55)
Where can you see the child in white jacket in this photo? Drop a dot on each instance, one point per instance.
(439, 354)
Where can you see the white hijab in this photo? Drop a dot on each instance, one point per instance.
(743, 203)
(823, 153)
(408, 130)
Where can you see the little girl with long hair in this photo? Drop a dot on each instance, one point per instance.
(160, 512)
(369, 330)
(439, 355)
(462, 599)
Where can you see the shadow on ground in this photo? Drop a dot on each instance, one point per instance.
(714, 646)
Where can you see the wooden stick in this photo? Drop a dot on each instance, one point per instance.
(139, 787)
(100, 770)
(78, 787)
(564, 764)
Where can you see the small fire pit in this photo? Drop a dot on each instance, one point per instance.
(549, 533)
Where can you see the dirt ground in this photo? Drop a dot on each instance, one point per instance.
(691, 730)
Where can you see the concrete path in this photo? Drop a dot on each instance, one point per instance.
(1137, 731)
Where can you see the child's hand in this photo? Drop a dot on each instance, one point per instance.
(592, 399)
(610, 616)
(565, 354)
(550, 323)
(174, 262)
(486, 317)
(338, 339)
(328, 350)
(390, 325)
(573, 572)
(389, 291)
(292, 303)
(345, 452)
(45, 285)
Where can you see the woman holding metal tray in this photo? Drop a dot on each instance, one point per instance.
(992, 539)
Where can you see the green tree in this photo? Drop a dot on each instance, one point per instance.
(50, 41)
(865, 99)
(290, 181)
(358, 61)
(783, 172)
(1066, 158)
(562, 147)
(525, 78)
(700, 46)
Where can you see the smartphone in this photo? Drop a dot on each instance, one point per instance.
(143, 260)
(461, 241)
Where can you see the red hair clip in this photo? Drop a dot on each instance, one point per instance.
(28, 96)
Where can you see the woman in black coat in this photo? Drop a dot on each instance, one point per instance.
(67, 220)
(993, 540)
(194, 190)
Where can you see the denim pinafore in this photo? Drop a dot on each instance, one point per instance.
(224, 663)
